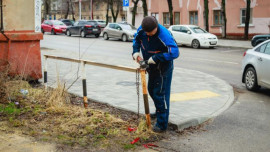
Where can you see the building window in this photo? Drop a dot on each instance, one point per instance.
(243, 16)
(176, 18)
(217, 17)
(166, 19)
(155, 15)
(97, 6)
(193, 18)
(83, 8)
(123, 18)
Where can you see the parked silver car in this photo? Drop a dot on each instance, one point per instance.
(255, 67)
(122, 31)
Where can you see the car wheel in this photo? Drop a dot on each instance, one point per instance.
(53, 32)
(83, 34)
(124, 38)
(251, 79)
(97, 35)
(68, 33)
(195, 44)
(42, 31)
(105, 36)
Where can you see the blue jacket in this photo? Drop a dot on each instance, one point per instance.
(161, 46)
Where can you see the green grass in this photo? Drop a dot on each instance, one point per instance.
(10, 109)
(129, 146)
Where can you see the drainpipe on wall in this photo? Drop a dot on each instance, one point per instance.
(2, 24)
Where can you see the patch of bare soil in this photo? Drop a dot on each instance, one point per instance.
(16, 142)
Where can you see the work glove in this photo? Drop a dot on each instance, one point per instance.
(137, 57)
(151, 61)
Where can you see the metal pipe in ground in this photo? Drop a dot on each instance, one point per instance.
(85, 100)
(145, 98)
(45, 74)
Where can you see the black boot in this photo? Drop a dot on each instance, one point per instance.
(157, 129)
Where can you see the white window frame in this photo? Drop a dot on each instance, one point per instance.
(214, 24)
(194, 17)
(167, 13)
(156, 15)
(251, 16)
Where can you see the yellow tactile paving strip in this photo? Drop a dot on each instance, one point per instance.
(185, 96)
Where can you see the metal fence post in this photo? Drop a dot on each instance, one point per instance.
(85, 101)
(45, 74)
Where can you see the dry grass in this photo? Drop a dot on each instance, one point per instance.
(49, 115)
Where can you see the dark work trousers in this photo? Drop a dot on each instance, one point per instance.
(159, 88)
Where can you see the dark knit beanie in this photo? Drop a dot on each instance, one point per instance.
(149, 23)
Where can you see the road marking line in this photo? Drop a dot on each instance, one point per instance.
(185, 96)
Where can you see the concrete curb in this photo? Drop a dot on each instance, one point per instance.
(241, 47)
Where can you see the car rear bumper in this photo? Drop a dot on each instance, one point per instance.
(89, 32)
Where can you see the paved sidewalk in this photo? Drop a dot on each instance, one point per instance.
(235, 43)
(196, 96)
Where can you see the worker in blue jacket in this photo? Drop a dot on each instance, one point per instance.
(158, 49)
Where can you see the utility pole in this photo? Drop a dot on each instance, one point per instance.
(91, 9)
(80, 9)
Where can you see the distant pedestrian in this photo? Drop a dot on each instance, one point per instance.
(159, 49)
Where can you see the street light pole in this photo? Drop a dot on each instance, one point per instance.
(80, 9)
(92, 10)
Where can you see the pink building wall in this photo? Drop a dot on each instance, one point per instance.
(260, 16)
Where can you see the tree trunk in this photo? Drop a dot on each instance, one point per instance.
(134, 11)
(72, 10)
(170, 11)
(115, 15)
(206, 13)
(145, 9)
(107, 12)
(68, 5)
(224, 24)
(47, 4)
(247, 20)
(119, 4)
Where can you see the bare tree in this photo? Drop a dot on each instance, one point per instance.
(134, 11)
(247, 19)
(72, 10)
(68, 6)
(224, 22)
(107, 11)
(145, 10)
(206, 13)
(118, 4)
(47, 8)
(170, 11)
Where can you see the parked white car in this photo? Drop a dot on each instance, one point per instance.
(255, 67)
(193, 35)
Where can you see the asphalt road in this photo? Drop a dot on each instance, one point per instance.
(245, 126)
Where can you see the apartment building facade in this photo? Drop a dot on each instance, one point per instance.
(192, 12)
(99, 10)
